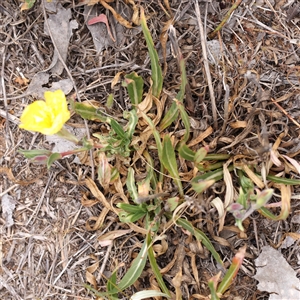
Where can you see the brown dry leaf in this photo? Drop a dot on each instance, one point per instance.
(177, 280)
(160, 249)
(201, 137)
(89, 274)
(107, 238)
(21, 80)
(118, 17)
(96, 222)
(294, 235)
(87, 202)
(238, 124)
(136, 12)
(167, 5)
(163, 40)
(229, 185)
(285, 201)
(253, 176)
(116, 79)
(11, 177)
(154, 286)
(195, 268)
(146, 104)
(138, 229)
(219, 205)
(91, 185)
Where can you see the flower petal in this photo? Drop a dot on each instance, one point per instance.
(36, 116)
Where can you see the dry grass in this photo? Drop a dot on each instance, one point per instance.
(52, 247)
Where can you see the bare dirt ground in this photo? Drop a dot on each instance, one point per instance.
(50, 248)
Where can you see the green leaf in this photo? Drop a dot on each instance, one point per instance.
(186, 153)
(286, 181)
(52, 158)
(201, 186)
(170, 117)
(27, 4)
(110, 101)
(213, 156)
(95, 292)
(232, 271)
(87, 111)
(133, 120)
(33, 153)
(131, 217)
(132, 208)
(213, 292)
(200, 155)
(157, 77)
(135, 270)
(135, 85)
(172, 203)
(130, 183)
(118, 129)
(111, 285)
(147, 294)
(155, 268)
(185, 120)
(169, 162)
(199, 235)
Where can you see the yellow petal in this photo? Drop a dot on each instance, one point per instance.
(46, 117)
(36, 116)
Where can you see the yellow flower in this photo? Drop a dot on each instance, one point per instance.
(47, 117)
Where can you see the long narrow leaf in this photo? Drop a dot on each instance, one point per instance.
(118, 129)
(148, 294)
(134, 84)
(130, 183)
(134, 271)
(157, 77)
(186, 152)
(170, 117)
(233, 269)
(185, 120)
(287, 181)
(200, 236)
(155, 268)
(169, 162)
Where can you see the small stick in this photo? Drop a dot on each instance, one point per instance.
(286, 113)
(206, 65)
(220, 26)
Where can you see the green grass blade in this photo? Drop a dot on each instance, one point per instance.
(169, 162)
(287, 181)
(134, 271)
(215, 156)
(132, 118)
(157, 77)
(132, 208)
(169, 117)
(185, 120)
(118, 129)
(199, 235)
(135, 85)
(232, 272)
(186, 153)
(111, 285)
(213, 292)
(130, 183)
(155, 268)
